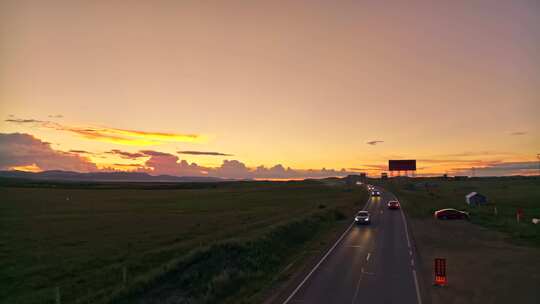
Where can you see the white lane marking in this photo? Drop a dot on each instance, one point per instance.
(358, 286)
(318, 264)
(410, 252)
(322, 259)
(356, 246)
(366, 206)
(418, 298)
(406, 229)
(367, 257)
(417, 288)
(412, 262)
(368, 273)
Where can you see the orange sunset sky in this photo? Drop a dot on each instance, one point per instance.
(220, 88)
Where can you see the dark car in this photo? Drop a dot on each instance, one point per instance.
(375, 193)
(362, 217)
(393, 205)
(451, 214)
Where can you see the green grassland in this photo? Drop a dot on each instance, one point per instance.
(421, 197)
(114, 243)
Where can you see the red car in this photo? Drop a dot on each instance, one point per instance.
(451, 214)
(393, 205)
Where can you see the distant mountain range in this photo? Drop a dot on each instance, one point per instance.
(58, 175)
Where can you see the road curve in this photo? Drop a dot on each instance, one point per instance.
(368, 264)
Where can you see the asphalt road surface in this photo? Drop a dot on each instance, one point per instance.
(368, 264)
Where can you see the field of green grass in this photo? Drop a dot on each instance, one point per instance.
(115, 244)
(506, 194)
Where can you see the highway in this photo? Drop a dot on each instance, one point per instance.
(368, 264)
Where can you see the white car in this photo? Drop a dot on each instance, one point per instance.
(362, 217)
(375, 193)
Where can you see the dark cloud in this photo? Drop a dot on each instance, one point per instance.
(56, 116)
(126, 155)
(124, 167)
(17, 149)
(164, 163)
(237, 169)
(129, 166)
(154, 153)
(24, 121)
(518, 133)
(369, 167)
(275, 171)
(232, 169)
(80, 152)
(204, 153)
(374, 142)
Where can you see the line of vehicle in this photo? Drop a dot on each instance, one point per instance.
(322, 259)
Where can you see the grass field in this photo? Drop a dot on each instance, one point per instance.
(504, 194)
(492, 258)
(122, 244)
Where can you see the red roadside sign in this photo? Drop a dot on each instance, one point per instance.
(440, 272)
(519, 214)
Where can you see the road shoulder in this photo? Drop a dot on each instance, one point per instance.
(289, 279)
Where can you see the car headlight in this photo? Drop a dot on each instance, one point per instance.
(356, 219)
(366, 219)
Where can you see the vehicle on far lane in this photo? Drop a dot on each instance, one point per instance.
(393, 205)
(362, 217)
(451, 214)
(375, 193)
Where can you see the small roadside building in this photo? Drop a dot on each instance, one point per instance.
(475, 199)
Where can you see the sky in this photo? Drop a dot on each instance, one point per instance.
(225, 87)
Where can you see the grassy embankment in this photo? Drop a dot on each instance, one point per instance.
(109, 244)
(505, 195)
